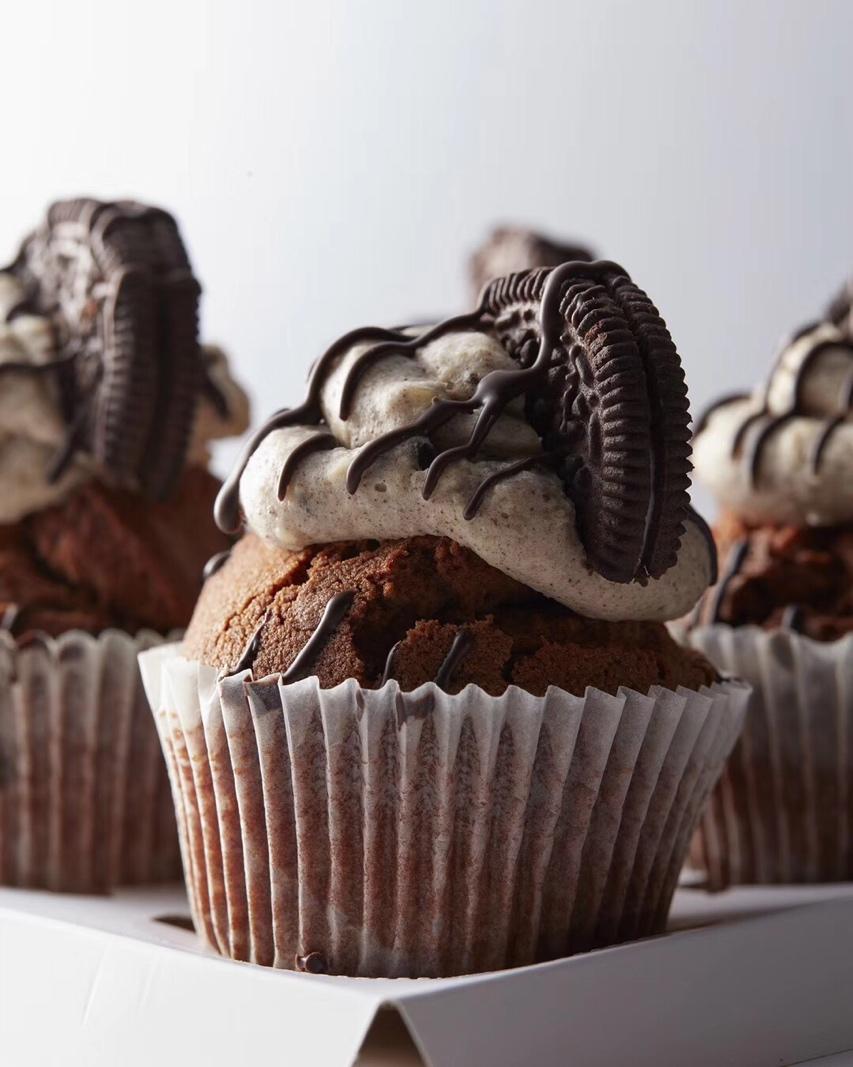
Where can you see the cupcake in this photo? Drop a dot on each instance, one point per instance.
(508, 249)
(780, 463)
(107, 406)
(427, 719)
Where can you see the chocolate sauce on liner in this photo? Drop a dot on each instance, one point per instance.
(250, 651)
(390, 664)
(459, 649)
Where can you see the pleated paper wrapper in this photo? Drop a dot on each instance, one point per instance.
(85, 803)
(380, 833)
(783, 808)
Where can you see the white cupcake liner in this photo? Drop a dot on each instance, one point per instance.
(783, 808)
(84, 793)
(425, 834)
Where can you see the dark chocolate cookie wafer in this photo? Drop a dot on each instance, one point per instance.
(611, 409)
(512, 248)
(116, 282)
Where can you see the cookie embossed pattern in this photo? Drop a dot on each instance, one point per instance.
(419, 738)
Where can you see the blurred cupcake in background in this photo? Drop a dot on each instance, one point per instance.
(508, 249)
(107, 406)
(427, 718)
(780, 463)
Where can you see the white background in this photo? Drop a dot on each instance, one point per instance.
(333, 163)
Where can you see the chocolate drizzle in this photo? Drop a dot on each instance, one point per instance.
(390, 664)
(479, 494)
(751, 447)
(215, 563)
(833, 423)
(602, 386)
(462, 644)
(250, 651)
(728, 398)
(318, 442)
(227, 509)
(396, 346)
(541, 292)
(793, 618)
(459, 649)
(333, 615)
(709, 608)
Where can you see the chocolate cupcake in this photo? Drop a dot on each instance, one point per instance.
(107, 405)
(509, 249)
(427, 718)
(780, 462)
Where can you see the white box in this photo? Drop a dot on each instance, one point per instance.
(749, 977)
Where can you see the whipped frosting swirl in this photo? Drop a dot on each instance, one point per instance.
(293, 489)
(784, 454)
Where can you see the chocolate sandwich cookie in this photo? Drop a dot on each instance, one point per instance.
(607, 397)
(115, 281)
(508, 249)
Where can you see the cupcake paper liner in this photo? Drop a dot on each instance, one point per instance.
(85, 803)
(383, 833)
(783, 808)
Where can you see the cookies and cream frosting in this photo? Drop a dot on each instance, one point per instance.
(359, 462)
(784, 454)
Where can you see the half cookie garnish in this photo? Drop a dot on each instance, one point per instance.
(116, 282)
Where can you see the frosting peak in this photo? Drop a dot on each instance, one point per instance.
(784, 454)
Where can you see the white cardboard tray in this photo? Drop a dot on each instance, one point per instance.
(749, 977)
